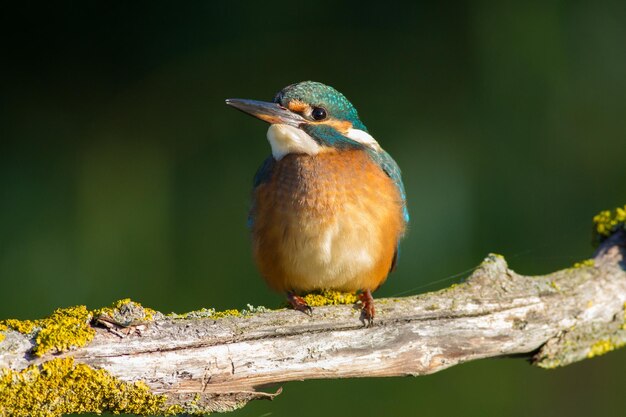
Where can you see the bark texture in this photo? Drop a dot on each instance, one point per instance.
(220, 364)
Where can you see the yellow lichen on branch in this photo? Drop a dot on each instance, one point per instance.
(607, 222)
(125, 312)
(226, 313)
(65, 385)
(585, 263)
(60, 386)
(603, 346)
(330, 297)
(64, 329)
(68, 328)
(71, 327)
(22, 326)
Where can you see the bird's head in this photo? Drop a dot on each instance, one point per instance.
(309, 117)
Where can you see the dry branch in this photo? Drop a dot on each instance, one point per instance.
(218, 365)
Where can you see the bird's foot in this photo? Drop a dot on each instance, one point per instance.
(298, 303)
(367, 307)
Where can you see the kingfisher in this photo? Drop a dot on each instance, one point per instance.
(328, 205)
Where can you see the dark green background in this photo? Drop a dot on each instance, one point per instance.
(123, 174)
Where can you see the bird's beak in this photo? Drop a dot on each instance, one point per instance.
(269, 112)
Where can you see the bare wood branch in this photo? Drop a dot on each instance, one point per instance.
(221, 364)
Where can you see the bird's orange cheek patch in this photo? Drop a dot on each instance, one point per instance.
(297, 106)
(302, 108)
(341, 126)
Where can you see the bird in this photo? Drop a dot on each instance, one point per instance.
(328, 205)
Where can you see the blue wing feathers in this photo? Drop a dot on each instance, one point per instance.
(391, 168)
(263, 174)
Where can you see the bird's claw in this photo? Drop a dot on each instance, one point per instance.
(298, 303)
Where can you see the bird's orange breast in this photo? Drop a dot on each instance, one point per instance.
(326, 221)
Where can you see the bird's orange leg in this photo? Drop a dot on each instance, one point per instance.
(367, 306)
(298, 303)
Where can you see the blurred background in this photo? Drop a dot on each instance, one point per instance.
(123, 174)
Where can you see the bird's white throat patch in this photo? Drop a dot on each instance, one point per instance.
(285, 139)
(363, 138)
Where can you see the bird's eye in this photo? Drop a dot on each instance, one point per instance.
(318, 113)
